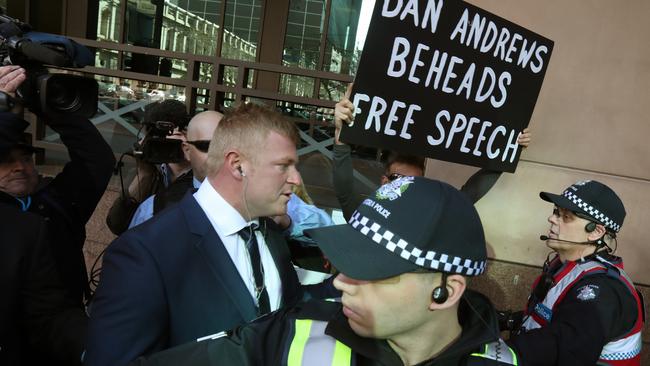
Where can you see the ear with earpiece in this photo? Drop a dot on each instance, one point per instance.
(449, 292)
(595, 232)
(241, 172)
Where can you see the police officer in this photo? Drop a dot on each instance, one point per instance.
(584, 309)
(404, 258)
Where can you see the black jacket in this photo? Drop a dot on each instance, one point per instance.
(267, 340)
(580, 328)
(39, 323)
(68, 201)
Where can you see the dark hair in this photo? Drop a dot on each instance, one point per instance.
(389, 158)
(169, 110)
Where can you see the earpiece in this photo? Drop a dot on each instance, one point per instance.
(241, 172)
(591, 226)
(440, 293)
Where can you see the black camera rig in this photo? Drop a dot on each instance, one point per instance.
(42, 91)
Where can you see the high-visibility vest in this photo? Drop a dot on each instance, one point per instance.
(624, 351)
(310, 343)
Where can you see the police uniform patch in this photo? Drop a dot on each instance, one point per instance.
(588, 292)
(394, 190)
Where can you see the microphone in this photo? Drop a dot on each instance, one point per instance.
(545, 238)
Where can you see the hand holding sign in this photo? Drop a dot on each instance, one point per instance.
(343, 113)
(524, 138)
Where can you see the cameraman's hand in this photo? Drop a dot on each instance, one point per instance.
(10, 78)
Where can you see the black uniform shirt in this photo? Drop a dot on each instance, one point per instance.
(266, 341)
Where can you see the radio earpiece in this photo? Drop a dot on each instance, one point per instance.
(440, 293)
(591, 226)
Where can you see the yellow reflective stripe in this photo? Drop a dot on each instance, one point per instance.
(342, 355)
(514, 357)
(300, 337)
(485, 355)
(485, 351)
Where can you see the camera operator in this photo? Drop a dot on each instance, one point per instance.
(195, 148)
(41, 321)
(67, 201)
(168, 119)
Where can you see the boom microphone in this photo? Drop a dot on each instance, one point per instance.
(545, 238)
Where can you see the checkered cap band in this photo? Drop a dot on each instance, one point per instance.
(592, 211)
(427, 259)
(621, 355)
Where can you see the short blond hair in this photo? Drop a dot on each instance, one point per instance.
(245, 128)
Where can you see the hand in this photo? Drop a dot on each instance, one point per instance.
(343, 113)
(524, 138)
(10, 78)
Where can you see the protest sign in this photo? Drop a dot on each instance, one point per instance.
(447, 80)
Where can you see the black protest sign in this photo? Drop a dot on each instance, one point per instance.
(447, 80)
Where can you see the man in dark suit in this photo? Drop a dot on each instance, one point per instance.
(211, 262)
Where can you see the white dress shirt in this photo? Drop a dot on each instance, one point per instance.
(227, 222)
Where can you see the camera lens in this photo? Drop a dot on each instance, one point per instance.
(63, 97)
(62, 93)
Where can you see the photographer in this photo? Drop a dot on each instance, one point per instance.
(160, 164)
(67, 201)
(41, 322)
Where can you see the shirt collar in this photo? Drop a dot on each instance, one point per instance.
(222, 215)
(196, 183)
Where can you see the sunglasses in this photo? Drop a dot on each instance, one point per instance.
(201, 145)
(394, 176)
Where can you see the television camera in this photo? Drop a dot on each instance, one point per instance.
(42, 91)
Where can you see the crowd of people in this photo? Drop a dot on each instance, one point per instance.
(202, 273)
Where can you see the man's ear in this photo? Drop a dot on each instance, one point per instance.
(456, 285)
(598, 233)
(232, 164)
(186, 150)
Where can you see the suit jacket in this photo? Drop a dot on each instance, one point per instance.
(170, 281)
(40, 322)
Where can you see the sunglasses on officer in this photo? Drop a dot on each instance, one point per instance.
(201, 145)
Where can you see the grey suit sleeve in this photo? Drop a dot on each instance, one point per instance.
(343, 180)
(128, 317)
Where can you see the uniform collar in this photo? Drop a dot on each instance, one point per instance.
(475, 333)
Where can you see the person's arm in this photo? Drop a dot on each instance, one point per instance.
(581, 325)
(143, 213)
(342, 173)
(128, 316)
(56, 325)
(343, 180)
(482, 181)
(83, 180)
(262, 342)
(303, 216)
